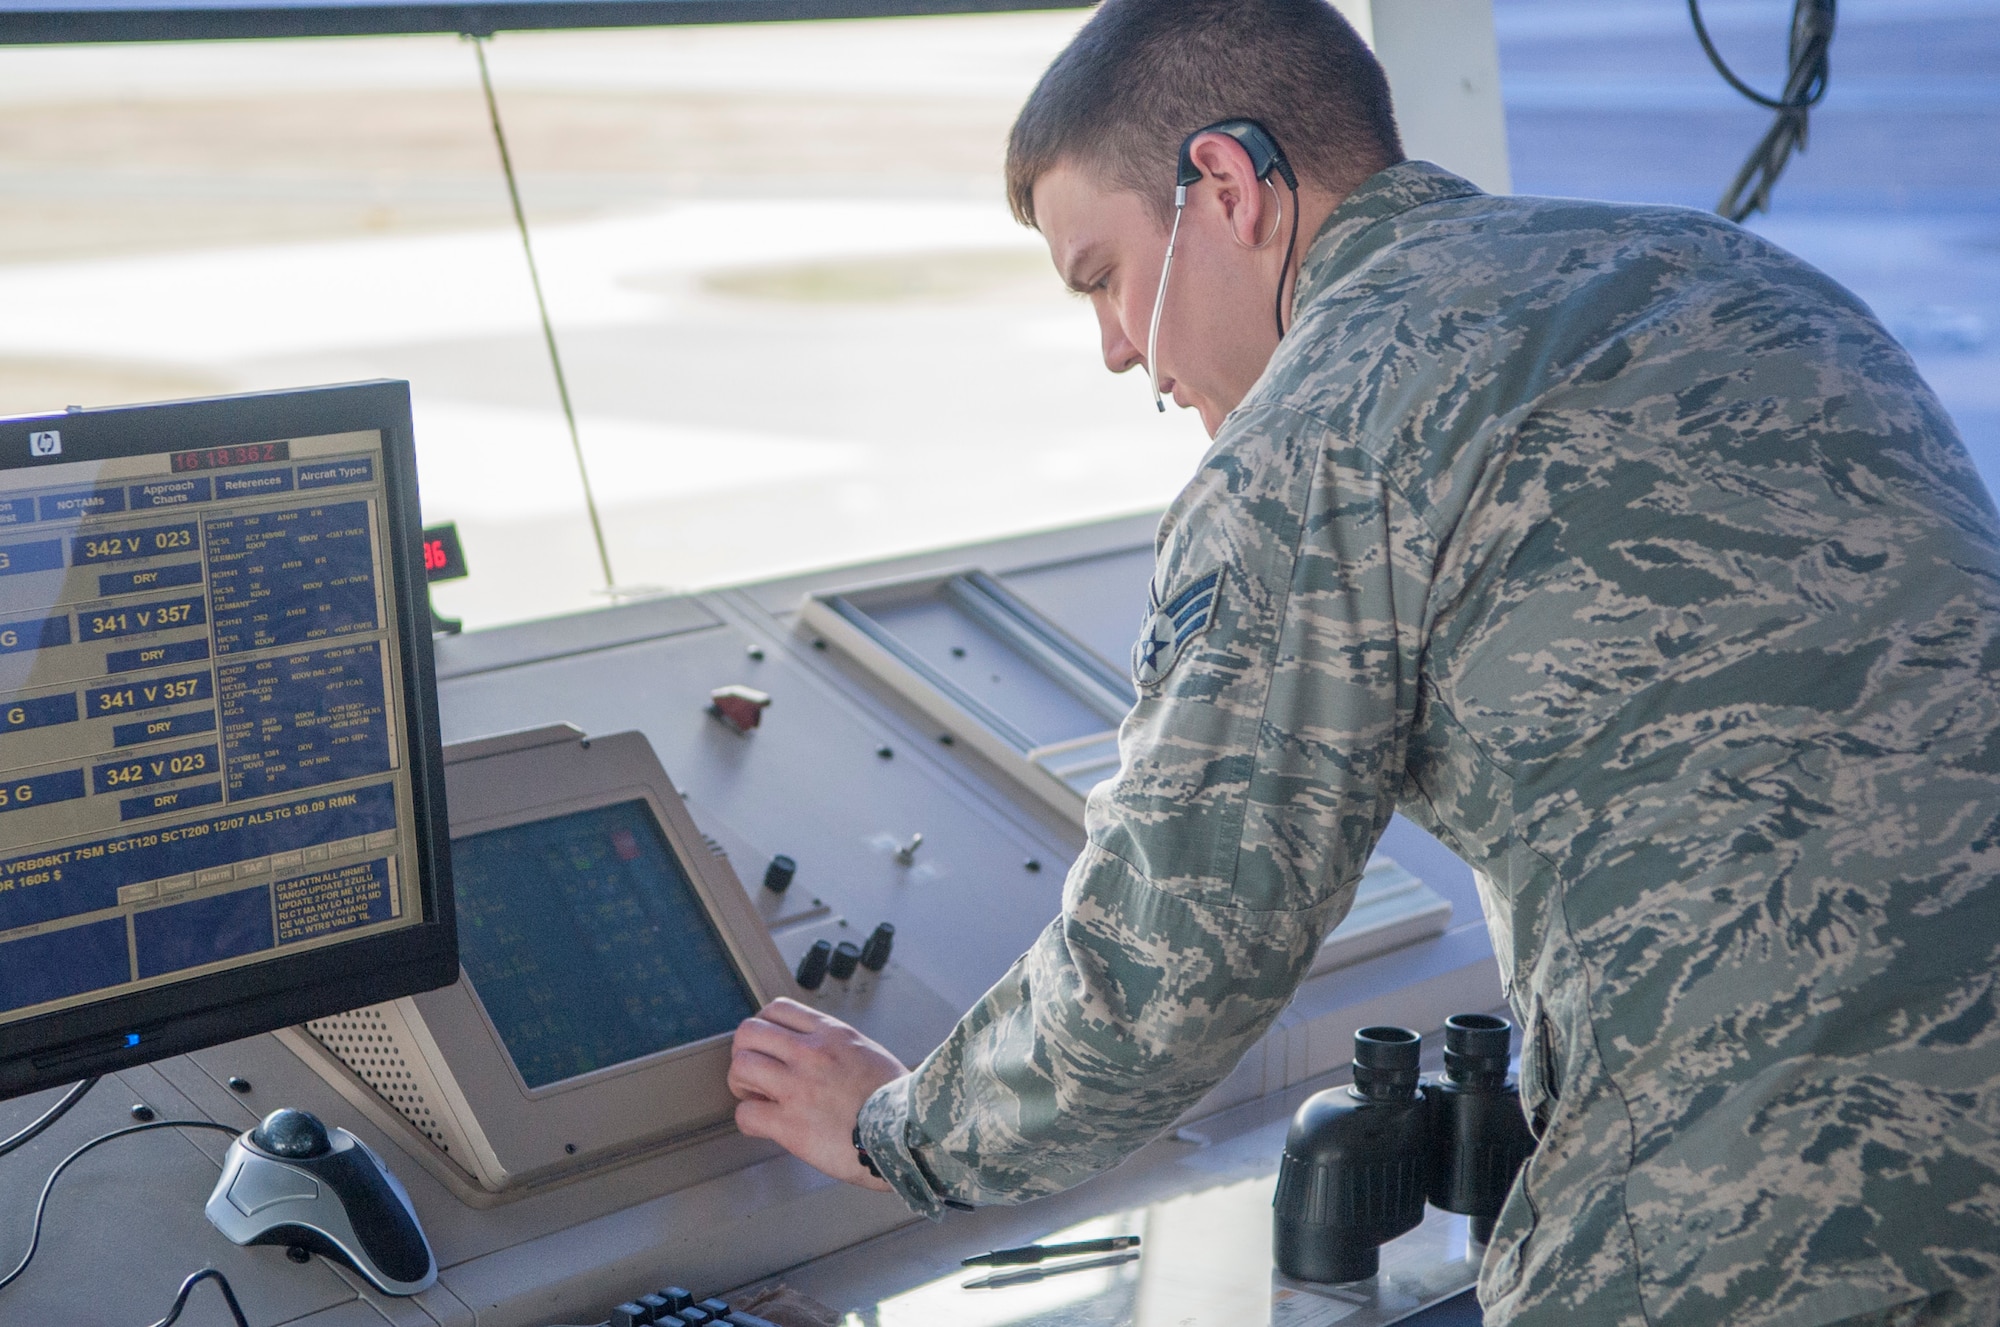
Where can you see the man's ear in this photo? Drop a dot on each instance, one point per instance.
(1230, 184)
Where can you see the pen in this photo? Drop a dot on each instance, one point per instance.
(1032, 1253)
(1030, 1275)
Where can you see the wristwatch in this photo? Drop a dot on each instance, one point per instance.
(930, 1180)
(861, 1153)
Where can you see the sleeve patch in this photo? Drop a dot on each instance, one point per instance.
(1172, 625)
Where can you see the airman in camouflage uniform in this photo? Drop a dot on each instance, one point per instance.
(1631, 557)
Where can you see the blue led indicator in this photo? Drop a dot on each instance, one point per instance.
(131, 1039)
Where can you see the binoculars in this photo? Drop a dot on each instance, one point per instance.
(1360, 1162)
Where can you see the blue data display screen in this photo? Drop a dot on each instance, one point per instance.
(588, 944)
(200, 758)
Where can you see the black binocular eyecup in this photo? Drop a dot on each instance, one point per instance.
(1476, 1048)
(1385, 1062)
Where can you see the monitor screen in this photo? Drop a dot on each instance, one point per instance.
(588, 945)
(215, 787)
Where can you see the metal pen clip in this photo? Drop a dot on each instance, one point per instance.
(1030, 1275)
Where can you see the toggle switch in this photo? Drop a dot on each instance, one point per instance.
(907, 853)
(740, 707)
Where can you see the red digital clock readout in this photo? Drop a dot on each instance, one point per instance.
(224, 458)
(444, 556)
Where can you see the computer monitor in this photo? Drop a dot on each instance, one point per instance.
(221, 787)
(609, 953)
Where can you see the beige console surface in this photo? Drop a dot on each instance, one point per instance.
(841, 775)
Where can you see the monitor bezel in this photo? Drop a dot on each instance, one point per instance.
(711, 894)
(65, 1045)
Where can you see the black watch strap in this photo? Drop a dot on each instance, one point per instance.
(868, 1164)
(861, 1153)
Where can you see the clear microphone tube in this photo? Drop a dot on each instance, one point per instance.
(1160, 300)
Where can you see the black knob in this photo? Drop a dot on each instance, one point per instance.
(293, 1134)
(812, 968)
(778, 875)
(875, 953)
(846, 955)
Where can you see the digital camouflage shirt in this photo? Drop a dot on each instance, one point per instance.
(1629, 556)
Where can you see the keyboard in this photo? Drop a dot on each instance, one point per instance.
(675, 1307)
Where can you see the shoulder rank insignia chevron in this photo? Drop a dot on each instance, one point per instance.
(1172, 626)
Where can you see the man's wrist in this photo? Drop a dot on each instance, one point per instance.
(883, 1144)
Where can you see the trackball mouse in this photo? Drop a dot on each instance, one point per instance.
(293, 1181)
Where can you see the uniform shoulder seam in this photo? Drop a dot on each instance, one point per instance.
(1370, 446)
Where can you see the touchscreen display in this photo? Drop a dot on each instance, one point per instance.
(201, 762)
(588, 944)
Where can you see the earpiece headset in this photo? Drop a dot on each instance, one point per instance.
(1265, 158)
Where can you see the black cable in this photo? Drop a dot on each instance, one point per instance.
(187, 1288)
(42, 1205)
(1806, 81)
(40, 1126)
(49, 1117)
(542, 307)
(1291, 244)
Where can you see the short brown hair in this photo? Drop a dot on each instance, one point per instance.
(1144, 74)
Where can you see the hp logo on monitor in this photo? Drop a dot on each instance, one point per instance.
(45, 444)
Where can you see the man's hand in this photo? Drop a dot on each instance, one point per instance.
(800, 1079)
